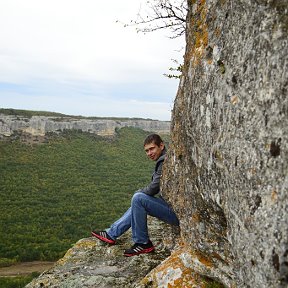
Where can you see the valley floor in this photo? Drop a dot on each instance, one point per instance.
(25, 268)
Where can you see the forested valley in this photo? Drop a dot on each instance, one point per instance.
(53, 194)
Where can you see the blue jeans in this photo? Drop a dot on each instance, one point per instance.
(136, 217)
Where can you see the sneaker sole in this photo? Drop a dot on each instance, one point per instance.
(106, 240)
(148, 250)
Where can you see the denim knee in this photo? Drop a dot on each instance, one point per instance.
(137, 197)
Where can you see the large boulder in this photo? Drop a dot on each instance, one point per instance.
(227, 170)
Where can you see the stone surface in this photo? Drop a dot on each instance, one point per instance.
(91, 263)
(181, 269)
(226, 172)
(40, 125)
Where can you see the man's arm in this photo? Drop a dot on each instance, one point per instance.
(154, 187)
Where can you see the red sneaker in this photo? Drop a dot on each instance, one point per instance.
(139, 248)
(103, 236)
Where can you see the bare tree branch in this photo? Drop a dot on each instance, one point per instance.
(162, 14)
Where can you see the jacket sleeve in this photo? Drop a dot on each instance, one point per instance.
(154, 187)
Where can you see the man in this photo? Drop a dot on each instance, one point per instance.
(144, 202)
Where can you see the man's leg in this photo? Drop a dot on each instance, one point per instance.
(116, 229)
(120, 226)
(143, 205)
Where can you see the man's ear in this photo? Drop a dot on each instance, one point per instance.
(162, 146)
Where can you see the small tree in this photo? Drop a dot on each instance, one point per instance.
(174, 70)
(162, 14)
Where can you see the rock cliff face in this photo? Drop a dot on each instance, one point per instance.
(226, 173)
(227, 170)
(40, 125)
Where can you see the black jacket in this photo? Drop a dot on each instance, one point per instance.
(154, 187)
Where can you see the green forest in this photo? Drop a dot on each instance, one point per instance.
(53, 194)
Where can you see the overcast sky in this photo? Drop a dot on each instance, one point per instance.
(72, 56)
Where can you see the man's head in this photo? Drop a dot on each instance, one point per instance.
(153, 146)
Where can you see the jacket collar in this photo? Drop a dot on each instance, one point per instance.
(162, 156)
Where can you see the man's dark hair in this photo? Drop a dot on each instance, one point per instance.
(153, 138)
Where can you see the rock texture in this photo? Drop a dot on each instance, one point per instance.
(227, 170)
(40, 125)
(91, 263)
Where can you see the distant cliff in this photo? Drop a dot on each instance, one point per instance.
(40, 125)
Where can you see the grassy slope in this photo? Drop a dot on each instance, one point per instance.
(53, 194)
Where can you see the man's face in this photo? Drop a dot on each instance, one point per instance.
(153, 151)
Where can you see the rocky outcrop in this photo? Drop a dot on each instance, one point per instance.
(91, 263)
(40, 125)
